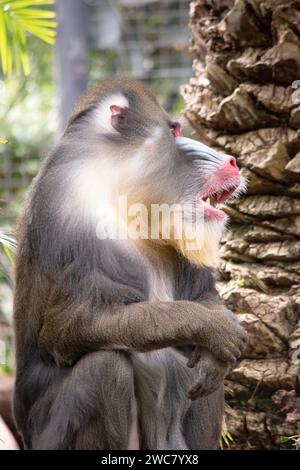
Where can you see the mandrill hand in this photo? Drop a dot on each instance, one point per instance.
(210, 373)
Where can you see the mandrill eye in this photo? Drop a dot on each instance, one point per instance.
(176, 129)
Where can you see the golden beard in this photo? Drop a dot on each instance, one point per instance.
(198, 242)
(199, 252)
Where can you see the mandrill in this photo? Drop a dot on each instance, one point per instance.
(122, 341)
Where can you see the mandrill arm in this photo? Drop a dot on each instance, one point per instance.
(72, 329)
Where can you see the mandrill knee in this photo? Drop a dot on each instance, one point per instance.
(106, 368)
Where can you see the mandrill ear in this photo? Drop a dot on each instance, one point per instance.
(117, 114)
(110, 112)
(116, 110)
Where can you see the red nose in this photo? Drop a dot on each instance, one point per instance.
(230, 166)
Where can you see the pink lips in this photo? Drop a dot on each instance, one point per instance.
(210, 199)
(220, 187)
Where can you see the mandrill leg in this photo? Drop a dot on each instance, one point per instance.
(92, 407)
(203, 421)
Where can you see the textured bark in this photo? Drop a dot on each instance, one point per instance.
(241, 100)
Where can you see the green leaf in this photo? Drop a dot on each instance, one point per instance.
(225, 439)
(8, 254)
(17, 18)
(15, 4)
(7, 240)
(35, 13)
(8, 244)
(8, 45)
(5, 369)
(44, 23)
(3, 43)
(40, 31)
(24, 59)
(283, 439)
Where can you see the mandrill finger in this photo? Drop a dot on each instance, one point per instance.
(196, 391)
(201, 390)
(210, 376)
(205, 384)
(194, 357)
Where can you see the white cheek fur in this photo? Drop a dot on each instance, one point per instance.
(89, 188)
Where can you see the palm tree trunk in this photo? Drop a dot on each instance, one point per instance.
(241, 99)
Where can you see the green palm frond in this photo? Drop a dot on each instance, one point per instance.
(227, 438)
(8, 244)
(18, 18)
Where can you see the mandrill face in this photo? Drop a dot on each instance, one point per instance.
(218, 174)
(213, 180)
(128, 146)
